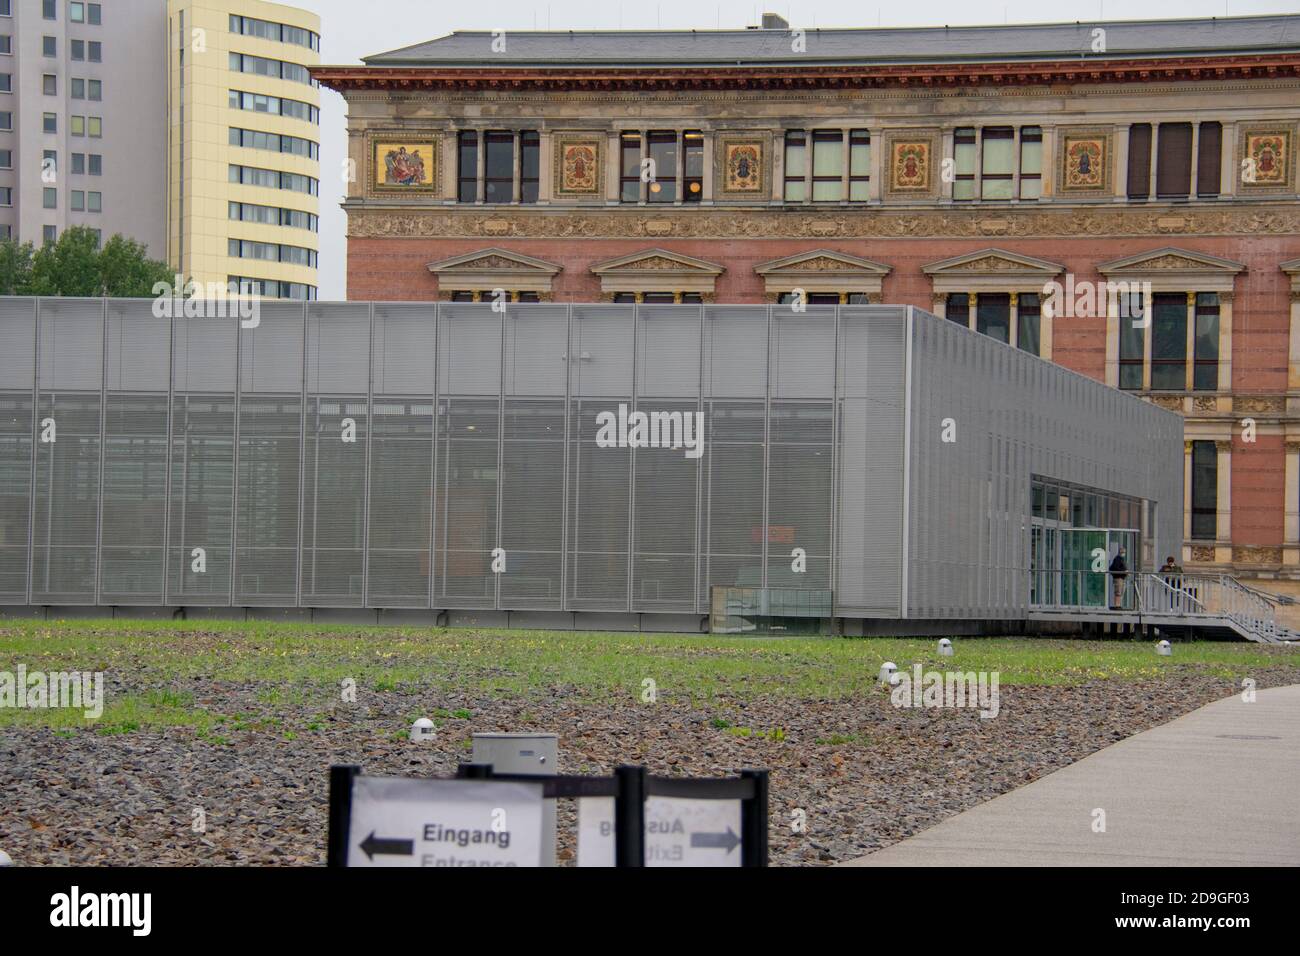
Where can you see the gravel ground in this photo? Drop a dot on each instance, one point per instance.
(866, 774)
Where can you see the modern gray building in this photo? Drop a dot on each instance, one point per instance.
(655, 467)
(83, 120)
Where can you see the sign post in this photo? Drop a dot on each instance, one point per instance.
(482, 818)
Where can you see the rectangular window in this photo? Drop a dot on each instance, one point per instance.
(530, 152)
(6, 196)
(50, 122)
(77, 12)
(693, 166)
(1174, 161)
(93, 14)
(49, 84)
(50, 160)
(1132, 344)
(828, 165)
(1205, 490)
(964, 157)
(1029, 323)
(529, 165)
(77, 125)
(96, 164)
(94, 90)
(50, 197)
(1209, 159)
(498, 167)
(998, 167)
(6, 82)
(94, 202)
(49, 46)
(78, 163)
(78, 49)
(49, 234)
(1169, 341)
(78, 88)
(993, 315)
(6, 120)
(663, 158)
(49, 9)
(467, 172)
(1139, 161)
(859, 165)
(78, 200)
(957, 308)
(6, 159)
(1031, 162)
(7, 44)
(93, 50)
(796, 159)
(1205, 371)
(6, 8)
(629, 175)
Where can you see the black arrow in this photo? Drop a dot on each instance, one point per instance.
(714, 841)
(387, 846)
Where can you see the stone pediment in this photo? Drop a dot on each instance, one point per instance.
(656, 261)
(994, 262)
(823, 262)
(495, 261)
(1170, 259)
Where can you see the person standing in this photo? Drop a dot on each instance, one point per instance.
(1119, 574)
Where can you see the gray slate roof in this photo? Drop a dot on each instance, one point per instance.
(884, 46)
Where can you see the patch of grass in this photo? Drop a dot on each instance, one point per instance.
(122, 715)
(838, 740)
(304, 662)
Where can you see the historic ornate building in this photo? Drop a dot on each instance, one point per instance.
(963, 170)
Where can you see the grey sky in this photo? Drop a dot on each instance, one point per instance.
(351, 30)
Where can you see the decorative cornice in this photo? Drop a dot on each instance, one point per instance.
(1170, 259)
(942, 75)
(749, 223)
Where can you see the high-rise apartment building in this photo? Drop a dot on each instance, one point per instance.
(82, 111)
(243, 145)
(191, 126)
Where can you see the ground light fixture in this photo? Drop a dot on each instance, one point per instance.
(422, 730)
(945, 647)
(888, 673)
(1164, 649)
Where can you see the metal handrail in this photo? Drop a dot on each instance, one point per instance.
(1195, 597)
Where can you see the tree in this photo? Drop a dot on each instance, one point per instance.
(125, 270)
(15, 266)
(74, 265)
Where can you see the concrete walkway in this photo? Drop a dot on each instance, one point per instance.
(1218, 787)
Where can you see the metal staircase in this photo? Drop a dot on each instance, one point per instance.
(1210, 606)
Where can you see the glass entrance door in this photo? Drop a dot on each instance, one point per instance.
(1081, 586)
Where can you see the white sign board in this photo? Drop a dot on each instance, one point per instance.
(596, 831)
(401, 822)
(678, 832)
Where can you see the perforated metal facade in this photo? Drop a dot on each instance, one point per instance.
(383, 455)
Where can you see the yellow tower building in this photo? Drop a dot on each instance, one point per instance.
(244, 145)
